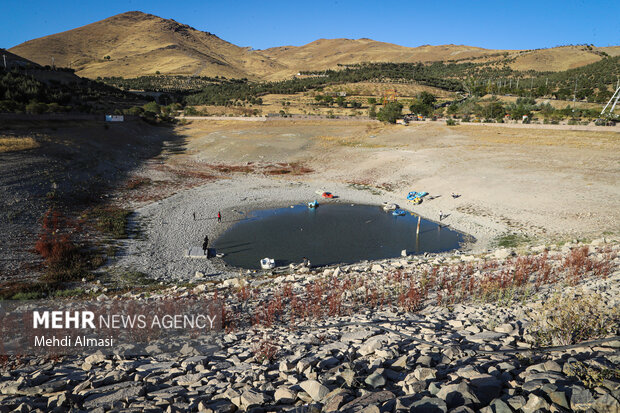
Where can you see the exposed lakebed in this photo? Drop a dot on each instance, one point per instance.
(330, 234)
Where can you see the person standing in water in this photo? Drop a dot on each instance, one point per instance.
(205, 246)
(219, 216)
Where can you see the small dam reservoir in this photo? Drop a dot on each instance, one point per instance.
(330, 234)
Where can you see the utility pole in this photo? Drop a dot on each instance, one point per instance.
(575, 95)
(4, 57)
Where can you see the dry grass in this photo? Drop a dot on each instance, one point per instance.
(17, 143)
(352, 142)
(543, 137)
(569, 320)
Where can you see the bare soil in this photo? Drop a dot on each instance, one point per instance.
(545, 185)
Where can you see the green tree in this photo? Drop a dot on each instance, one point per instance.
(427, 98)
(152, 107)
(390, 112)
(372, 112)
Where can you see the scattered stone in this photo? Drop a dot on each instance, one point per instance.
(315, 389)
(375, 380)
(368, 399)
(535, 403)
(581, 398)
(251, 397)
(429, 405)
(503, 253)
(285, 395)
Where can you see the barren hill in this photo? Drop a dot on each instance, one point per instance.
(328, 53)
(134, 44)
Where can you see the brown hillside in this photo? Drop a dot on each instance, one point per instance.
(141, 44)
(329, 53)
(556, 59)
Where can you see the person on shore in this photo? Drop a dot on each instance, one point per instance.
(305, 262)
(219, 216)
(194, 214)
(440, 215)
(205, 246)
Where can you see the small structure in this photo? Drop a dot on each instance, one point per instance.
(114, 118)
(267, 263)
(196, 252)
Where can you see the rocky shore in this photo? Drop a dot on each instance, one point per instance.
(461, 333)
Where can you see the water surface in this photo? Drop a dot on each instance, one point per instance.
(330, 234)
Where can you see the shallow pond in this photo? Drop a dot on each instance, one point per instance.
(330, 234)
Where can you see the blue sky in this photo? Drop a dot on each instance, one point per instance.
(262, 24)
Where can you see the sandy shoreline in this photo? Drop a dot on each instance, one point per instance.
(169, 230)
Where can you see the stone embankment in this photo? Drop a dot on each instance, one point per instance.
(454, 347)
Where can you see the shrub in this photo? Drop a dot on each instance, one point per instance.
(111, 221)
(569, 320)
(64, 260)
(451, 122)
(264, 350)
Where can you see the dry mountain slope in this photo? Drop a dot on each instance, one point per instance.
(142, 44)
(328, 53)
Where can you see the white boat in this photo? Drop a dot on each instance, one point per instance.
(267, 263)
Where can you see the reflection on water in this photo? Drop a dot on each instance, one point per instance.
(330, 234)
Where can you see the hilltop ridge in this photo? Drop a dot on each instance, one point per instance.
(135, 44)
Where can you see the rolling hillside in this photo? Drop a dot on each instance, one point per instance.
(142, 44)
(136, 44)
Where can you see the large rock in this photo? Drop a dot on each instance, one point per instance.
(335, 399)
(485, 336)
(581, 399)
(370, 399)
(457, 395)
(606, 404)
(315, 389)
(285, 395)
(429, 405)
(424, 373)
(535, 403)
(499, 406)
(251, 397)
(356, 335)
(503, 253)
(375, 380)
(559, 398)
(370, 346)
(217, 406)
(95, 358)
(110, 400)
(486, 388)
